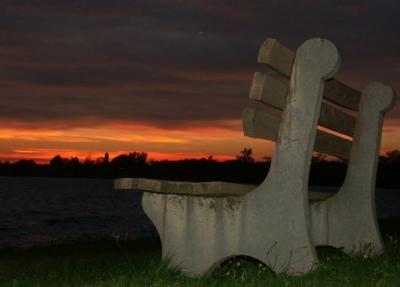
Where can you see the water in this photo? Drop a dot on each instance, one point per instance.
(37, 211)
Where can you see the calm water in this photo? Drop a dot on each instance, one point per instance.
(35, 211)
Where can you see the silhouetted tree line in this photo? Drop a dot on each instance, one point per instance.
(243, 169)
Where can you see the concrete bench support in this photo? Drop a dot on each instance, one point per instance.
(348, 219)
(271, 223)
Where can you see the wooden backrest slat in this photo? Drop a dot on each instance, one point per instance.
(342, 95)
(268, 90)
(280, 58)
(260, 124)
(336, 120)
(273, 92)
(277, 56)
(333, 145)
(257, 124)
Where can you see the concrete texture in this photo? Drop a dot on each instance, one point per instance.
(348, 219)
(271, 223)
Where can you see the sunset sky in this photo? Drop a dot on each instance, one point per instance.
(166, 77)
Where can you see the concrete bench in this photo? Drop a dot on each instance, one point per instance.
(280, 222)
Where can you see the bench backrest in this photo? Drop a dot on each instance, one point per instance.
(273, 90)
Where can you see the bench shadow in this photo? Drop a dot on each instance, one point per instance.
(325, 253)
(240, 263)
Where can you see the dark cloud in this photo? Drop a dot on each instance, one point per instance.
(165, 62)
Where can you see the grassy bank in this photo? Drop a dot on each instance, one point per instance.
(137, 263)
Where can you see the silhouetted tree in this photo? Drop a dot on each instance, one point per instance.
(57, 162)
(244, 169)
(106, 158)
(25, 167)
(210, 158)
(393, 156)
(131, 164)
(133, 158)
(245, 155)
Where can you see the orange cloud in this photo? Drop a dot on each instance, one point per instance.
(43, 144)
(222, 142)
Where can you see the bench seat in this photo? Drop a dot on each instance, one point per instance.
(211, 188)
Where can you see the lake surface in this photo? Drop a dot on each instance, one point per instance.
(37, 211)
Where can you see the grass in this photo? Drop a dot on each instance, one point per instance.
(137, 263)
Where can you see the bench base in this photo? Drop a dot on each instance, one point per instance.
(198, 233)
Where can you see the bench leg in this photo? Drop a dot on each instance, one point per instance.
(348, 222)
(350, 215)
